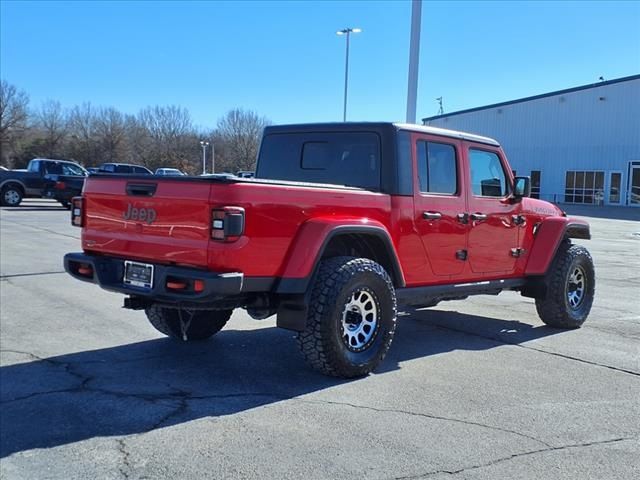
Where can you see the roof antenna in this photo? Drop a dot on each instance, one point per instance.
(601, 79)
(440, 110)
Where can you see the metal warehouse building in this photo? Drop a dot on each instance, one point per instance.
(580, 145)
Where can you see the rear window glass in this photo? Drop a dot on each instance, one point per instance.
(340, 158)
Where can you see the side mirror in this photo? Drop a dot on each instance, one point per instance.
(521, 187)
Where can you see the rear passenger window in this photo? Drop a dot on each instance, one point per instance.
(437, 170)
(123, 169)
(487, 175)
(140, 170)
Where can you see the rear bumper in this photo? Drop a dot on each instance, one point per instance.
(108, 272)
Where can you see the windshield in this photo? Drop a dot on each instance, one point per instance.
(71, 169)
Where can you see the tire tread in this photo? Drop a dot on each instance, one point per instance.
(332, 275)
(552, 309)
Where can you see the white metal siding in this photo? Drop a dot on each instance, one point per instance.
(593, 129)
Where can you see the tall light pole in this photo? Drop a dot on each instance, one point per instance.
(204, 155)
(414, 57)
(347, 32)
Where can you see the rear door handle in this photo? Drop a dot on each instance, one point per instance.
(431, 215)
(478, 217)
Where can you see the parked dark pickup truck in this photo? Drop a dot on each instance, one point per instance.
(341, 224)
(32, 182)
(63, 188)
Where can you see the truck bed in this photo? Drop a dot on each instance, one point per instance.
(175, 228)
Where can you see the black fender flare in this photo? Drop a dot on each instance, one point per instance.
(297, 286)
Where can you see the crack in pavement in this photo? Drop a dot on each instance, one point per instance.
(181, 403)
(122, 448)
(42, 229)
(184, 397)
(2, 277)
(426, 415)
(92, 362)
(514, 456)
(500, 339)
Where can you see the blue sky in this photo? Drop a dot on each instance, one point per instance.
(284, 60)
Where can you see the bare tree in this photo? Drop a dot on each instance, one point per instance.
(82, 129)
(158, 136)
(167, 133)
(13, 117)
(110, 134)
(238, 138)
(52, 125)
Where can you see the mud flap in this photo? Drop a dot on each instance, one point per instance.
(292, 316)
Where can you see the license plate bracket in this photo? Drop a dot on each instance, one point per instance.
(138, 274)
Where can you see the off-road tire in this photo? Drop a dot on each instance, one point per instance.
(338, 281)
(11, 195)
(555, 308)
(202, 324)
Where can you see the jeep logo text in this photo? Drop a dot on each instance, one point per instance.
(141, 214)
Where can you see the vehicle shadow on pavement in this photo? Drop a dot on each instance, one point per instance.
(136, 388)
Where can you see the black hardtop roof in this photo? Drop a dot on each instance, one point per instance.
(381, 127)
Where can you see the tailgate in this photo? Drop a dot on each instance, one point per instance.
(153, 219)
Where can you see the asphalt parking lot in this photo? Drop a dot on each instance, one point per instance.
(476, 389)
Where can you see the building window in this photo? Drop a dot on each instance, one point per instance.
(614, 187)
(437, 170)
(535, 183)
(582, 187)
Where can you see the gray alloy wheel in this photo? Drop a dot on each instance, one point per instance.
(11, 196)
(570, 288)
(351, 319)
(575, 289)
(359, 320)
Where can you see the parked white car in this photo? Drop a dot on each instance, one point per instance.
(169, 172)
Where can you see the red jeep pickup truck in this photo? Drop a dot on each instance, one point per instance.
(341, 223)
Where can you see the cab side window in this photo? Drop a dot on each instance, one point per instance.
(437, 170)
(53, 168)
(488, 178)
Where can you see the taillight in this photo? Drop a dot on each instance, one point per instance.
(77, 206)
(227, 223)
(60, 186)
